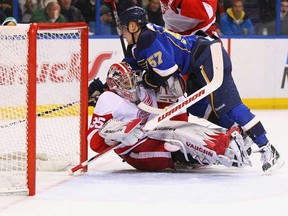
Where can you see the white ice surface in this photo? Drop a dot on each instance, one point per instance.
(113, 188)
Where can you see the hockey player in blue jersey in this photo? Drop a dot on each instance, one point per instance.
(171, 61)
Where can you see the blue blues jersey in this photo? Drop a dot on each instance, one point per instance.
(166, 53)
(161, 50)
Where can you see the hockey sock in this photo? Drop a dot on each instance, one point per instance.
(249, 122)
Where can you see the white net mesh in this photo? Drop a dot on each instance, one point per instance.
(58, 108)
(13, 97)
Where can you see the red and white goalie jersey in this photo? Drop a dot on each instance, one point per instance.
(146, 154)
(188, 16)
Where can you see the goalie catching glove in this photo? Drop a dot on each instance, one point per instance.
(114, 131)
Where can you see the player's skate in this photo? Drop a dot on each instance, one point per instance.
(270, 158)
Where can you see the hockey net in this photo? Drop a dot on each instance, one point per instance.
(43, 101)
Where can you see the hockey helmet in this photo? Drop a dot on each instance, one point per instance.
(136, 14)
(122, 80)
(9, 21)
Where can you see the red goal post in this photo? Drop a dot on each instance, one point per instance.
(44, 101)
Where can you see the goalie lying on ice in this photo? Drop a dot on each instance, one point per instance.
(167, 146)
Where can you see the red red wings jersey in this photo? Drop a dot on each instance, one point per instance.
(189, 16)
(147, 154)
(110, 105)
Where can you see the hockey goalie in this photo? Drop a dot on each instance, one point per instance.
(175, 144)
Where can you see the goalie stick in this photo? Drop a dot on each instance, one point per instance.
(129, 127)
(47, 112)
(85, 163)
(217, 61)
(167, 113)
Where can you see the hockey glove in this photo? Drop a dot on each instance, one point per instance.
(149, 82)
(95, 89)
(176, 86)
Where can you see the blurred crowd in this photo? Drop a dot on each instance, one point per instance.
(233, 17)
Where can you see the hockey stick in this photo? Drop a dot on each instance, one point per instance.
(141, 105)
(217, 61)
(116, 17)
(85, 163)
(129, 127)
(41, 114)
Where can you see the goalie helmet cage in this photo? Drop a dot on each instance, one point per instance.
(44, 101)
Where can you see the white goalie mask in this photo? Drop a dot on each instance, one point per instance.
(122, 80)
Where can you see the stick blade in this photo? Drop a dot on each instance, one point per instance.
(74, 169)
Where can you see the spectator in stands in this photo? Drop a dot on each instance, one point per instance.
(6, 6)
(267, 10)
(49, 14)
(106, 22)
(28, 7)
(87, 8)
(235, 21)
(220, 10)
(284, 17)
(145, 3)
(2, 16)
(154, 13)
(124, 4)
(9, 21)
(222, 6)
(70, 12)
(270, 28)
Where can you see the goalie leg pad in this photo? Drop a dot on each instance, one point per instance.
(171, 147)
(150, 155)
(208, 146)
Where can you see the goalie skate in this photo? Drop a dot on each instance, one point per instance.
(181, 163)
